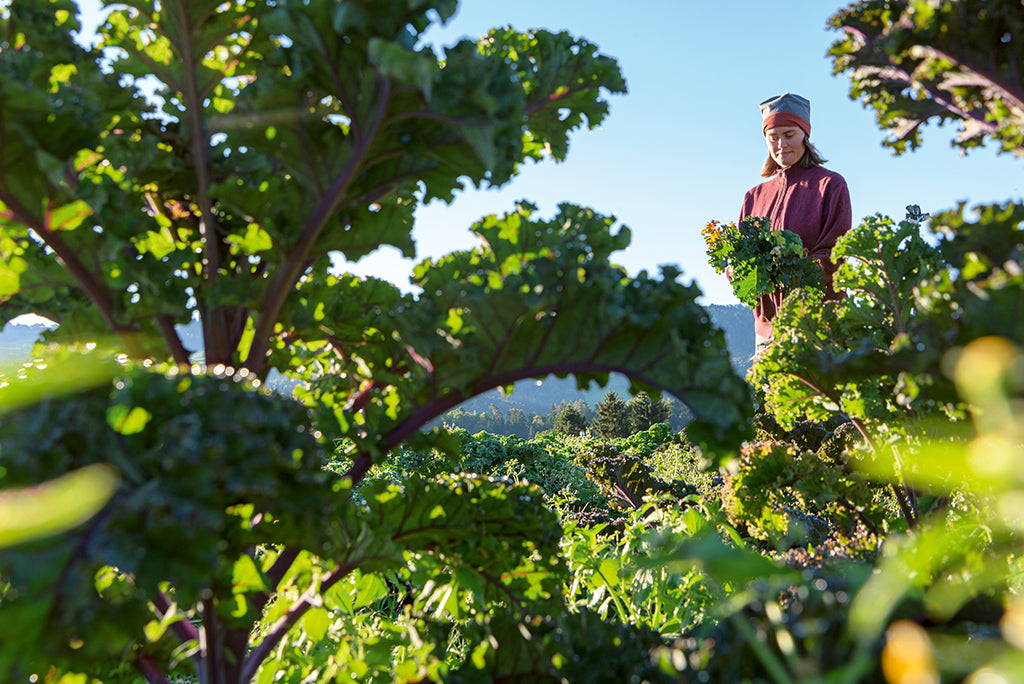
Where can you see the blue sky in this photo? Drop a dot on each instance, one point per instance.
(685, 143)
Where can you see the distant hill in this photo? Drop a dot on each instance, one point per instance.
(737, 321)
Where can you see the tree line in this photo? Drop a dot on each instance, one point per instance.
(611, 418)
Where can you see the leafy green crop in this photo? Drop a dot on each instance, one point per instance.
(285, 132)
(762, 260)
(785, 495)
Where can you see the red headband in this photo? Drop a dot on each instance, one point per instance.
(786, 119)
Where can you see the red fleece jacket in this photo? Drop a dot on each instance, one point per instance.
(814, 203)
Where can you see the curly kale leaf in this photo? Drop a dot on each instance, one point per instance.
(762, 260)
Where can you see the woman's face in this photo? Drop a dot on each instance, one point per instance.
(786, 144)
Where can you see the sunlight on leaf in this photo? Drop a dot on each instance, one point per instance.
(986, 462)
(54, 506)
(69, 216)
(57, 377)
(128, 420)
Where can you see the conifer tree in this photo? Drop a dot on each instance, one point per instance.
(570, 421)
(644, 412)
(612, 419)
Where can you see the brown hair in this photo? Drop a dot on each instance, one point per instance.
(811, 158)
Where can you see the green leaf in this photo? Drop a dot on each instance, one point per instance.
(254, 241)
(158, 243)
(10, 275)
(369, 589)
(128, 420)
(246, 577)
(608, 572)
(407, 66)
(62, 375)
(315, 623)
(54, 506)
(69, 216)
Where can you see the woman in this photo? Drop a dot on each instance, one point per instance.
(800, 195)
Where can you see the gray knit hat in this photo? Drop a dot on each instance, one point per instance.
(786, 110)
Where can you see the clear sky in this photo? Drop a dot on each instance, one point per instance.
(685, 143)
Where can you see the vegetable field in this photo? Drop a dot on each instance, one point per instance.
(848, 511)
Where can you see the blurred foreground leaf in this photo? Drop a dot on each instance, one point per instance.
(63, 374)
(54, 506)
